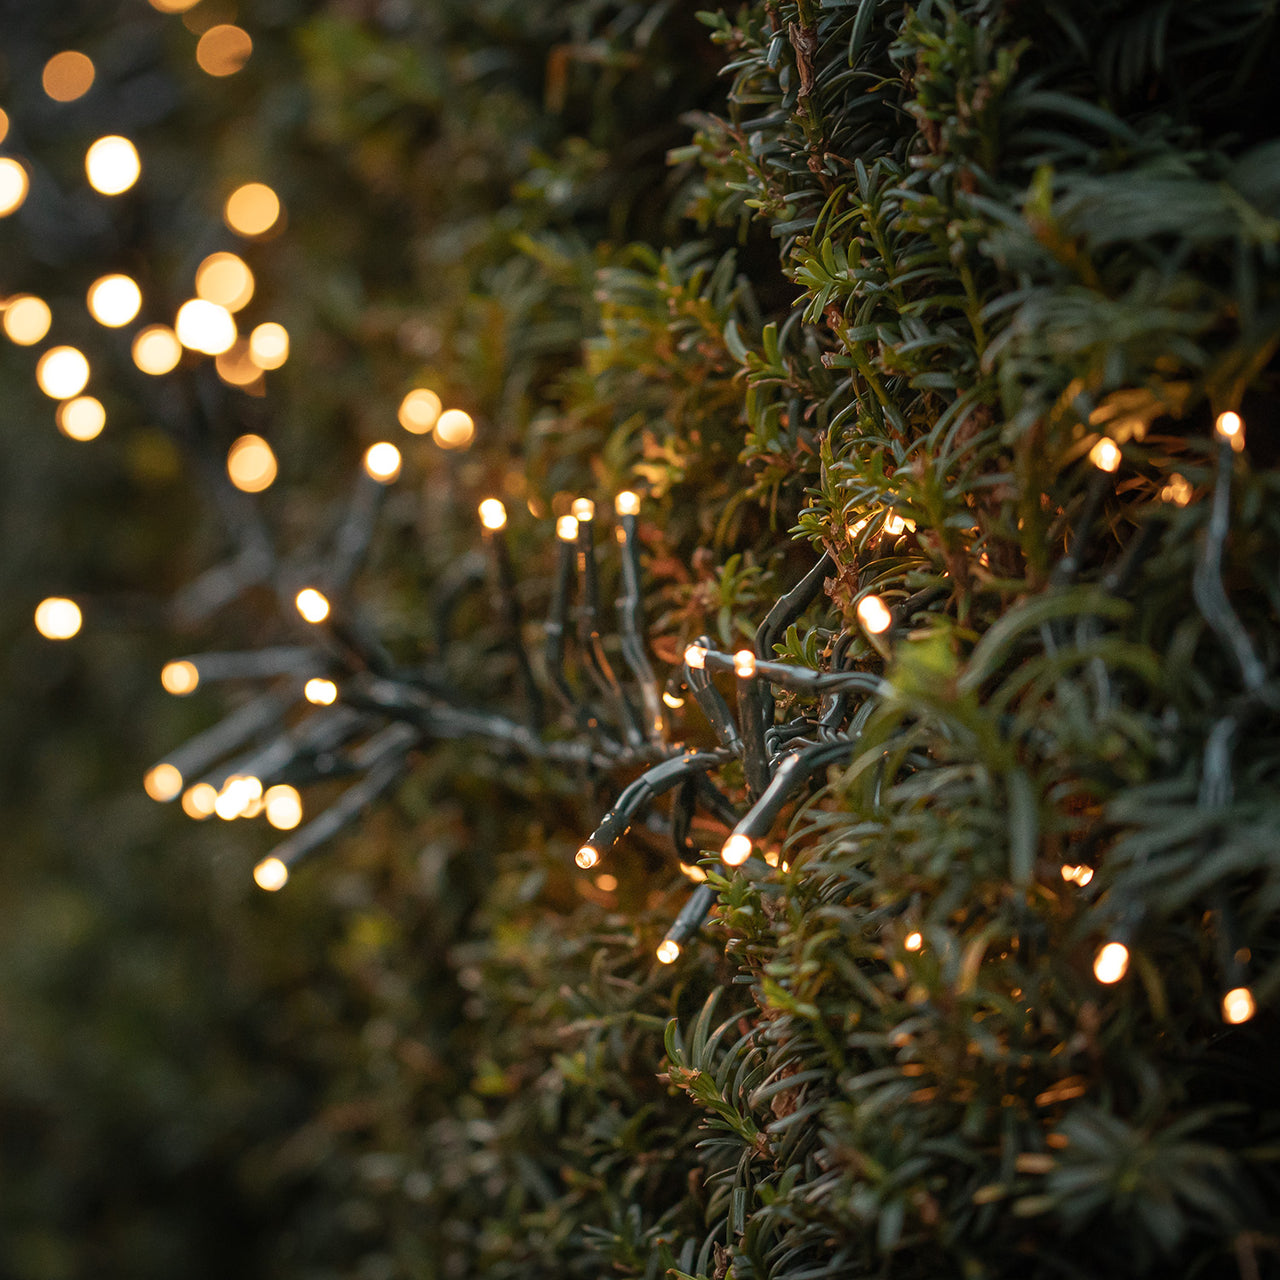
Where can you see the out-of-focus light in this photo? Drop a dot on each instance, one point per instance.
(67, 76)
(14, 185)
(270, 874)
(235, 366)
(567, 529)
(914, 941)
(114, 300)
(1080, 875)
(251, 210)
(198, 802)
(205, 326)
(82, 418)
(668, 951)
(1105, 455)
(673, 700)
(1111, 963)
(239, 794)
(62, 372)
(587, 857)
(174, 6)
(162, 783)
(454, 429)
(1230, 427)
(223, 49)
(493, 515)
(269, 345)
(27, 319)
(1238, 1005)
(606, 883)
(179, 678)
(736, 850)
(692, 872)
(695, 657)
(4, 125)
(874, 615)
(224, 278)
(156, 349)
(627, 503)
(283, 807)
(251, 464)
(382, 462)
(1178, 490)
(58, 618)
(894, 524)
(419, 411)
(112, 165)
(320, 692)
(744, 664)
(583, 509)
(313, 606)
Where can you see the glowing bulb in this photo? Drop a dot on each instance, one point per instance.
(58, 618)
(736, 850)
(112, 165)
(1111, 962)
(1238, 1005)
(62, 372)
(1230, 427)
(696, 874)
(82, 418)
(223, 50)
(270, 874)
(251, 464)
(283, 807)
(235, 366)
(114, 300)
(320, 692)
(174, 6)
(874, 615)
(583, 509)
(162, 783)
(673, 700)
(14, 185)
(1105, 455)
(269, 345)
(1077, 875)
(198, 801)
(1178, 491)
(27, 319)
(587, 857)
(224, 278)
(567, 529)
(156, 349)
(251, 210)
(744, 664)
(419, 411)
(668, 951)
(205, 326)
(4, 125)
(454, 429)
(179, 678)
(382, 462)
(894, 524)
(606, 882)
(695, 657)
(67, 76)
(914, 940)
(493, 515)
(627, 503)
(312, 605)
(239, 793)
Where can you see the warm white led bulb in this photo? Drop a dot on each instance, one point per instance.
(583, 509)
(567, 529)
(312, 604)
(737, 849)
(320, 692)
(179, 678)
(874, 615)
(695, 657)
(493, 515)
(382, 462)
(587, 857)
(1111, 963)
(270, 874)
(668, 951)
(1105, 455)
(627, 503)
(744, 664)
(1238, 1005)
(162, 783)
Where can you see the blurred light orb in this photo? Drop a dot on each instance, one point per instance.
(668, 951)
(162, 783)
(114, 300)
(269, 345)
(1238, 1005)
(67, 76)
(252, 209)
(224, 278)
(174, 6)
(874, 615)
(455, 429)
(27, 319)
(58, 618)
(156, 349)
(14, 185)
(583, 509)
(493, 515)
(382, 462)
(4, 124)
(205, 326)
(82, 418)
(1105, 455)
(320, 692)
(179, 678)
(198, 802)
(270, 874)
(627, 503)
(235, 366)
(737, 849)
(62, 372)
(419, 411)
(112, 165)
(251, 464)
(1111, 963)
(312, 604)
(223, 50)
(283, 807)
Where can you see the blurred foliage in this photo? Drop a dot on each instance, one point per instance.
(792, 268)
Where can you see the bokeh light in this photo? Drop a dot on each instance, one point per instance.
(270, 874)
(419, 411)
(82, 418)
(175, 6)
(224, 278)
(162, 783)
(320, 692)
(27, 319)
(269, 345)
(205, 327)
(58, 618)
(156, 349)
(455, 429)
(283, 807)
(668, 951)
(1111, 963)
(67, 76)
(312, 604)
(114, 300)
(223, 50)
(252, 210)
(198, 802)
(62, 372)
(874, 615)
(251, 464)
(4, 124)
(14, 185)
(493, 515)
(235, 366)
(382, 462)
(112, 165)
(180, 678)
